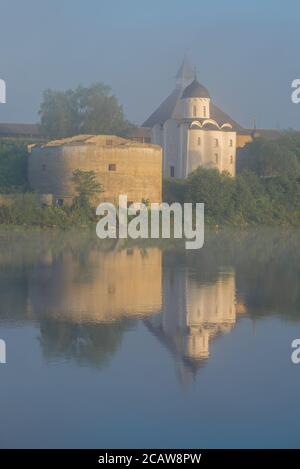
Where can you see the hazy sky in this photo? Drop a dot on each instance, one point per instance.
(246, 52)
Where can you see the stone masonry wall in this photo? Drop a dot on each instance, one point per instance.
(122, 168)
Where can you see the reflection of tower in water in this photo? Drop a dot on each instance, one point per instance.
(98, 286)
(85, 301)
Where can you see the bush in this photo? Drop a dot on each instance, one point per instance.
(26, 210)
(13, 166)
(215, 190)
(174, 190)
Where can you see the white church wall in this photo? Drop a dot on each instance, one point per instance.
(183, 149)
(196, 108)
(212, 149)
(157, 135)
(171, 148)
(229, 152)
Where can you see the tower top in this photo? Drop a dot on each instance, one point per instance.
(185, 73)
(195, 90)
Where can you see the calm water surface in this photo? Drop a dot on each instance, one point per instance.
(150, 345)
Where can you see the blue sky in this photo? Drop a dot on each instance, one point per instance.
(246, 53)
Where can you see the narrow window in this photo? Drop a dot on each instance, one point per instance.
(112, 167)
(172, 171)
(231, 159)
(217, 158)
(204, 111)
(230, 142)
(216, 142)
(199, 140)
(194, 111)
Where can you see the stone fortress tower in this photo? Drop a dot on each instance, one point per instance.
(122, 166)
(192, 130)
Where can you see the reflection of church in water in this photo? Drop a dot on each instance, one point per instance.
(81, 301)
(194, 311)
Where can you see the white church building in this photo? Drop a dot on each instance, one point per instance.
(192, 130)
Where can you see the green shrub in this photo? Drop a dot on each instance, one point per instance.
(13, 166)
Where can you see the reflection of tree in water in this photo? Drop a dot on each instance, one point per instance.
(268, 273)
(86, 344)
(13, 292)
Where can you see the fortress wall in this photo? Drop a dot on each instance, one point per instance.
(132, 169)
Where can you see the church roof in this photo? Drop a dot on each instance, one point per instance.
(165, 110)
(195, 90)
(167, 107)
(221, 117)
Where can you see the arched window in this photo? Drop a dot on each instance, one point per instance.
(199, 140)
(194, 111)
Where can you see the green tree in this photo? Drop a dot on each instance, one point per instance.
(291, 141)
(174, 190)
(86, 187)
(269, 159)
(251, 202)
(214, 189)
(85, 110)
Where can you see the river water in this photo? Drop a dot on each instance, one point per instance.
(147, 344)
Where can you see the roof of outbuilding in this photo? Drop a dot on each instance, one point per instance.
(19, 129)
